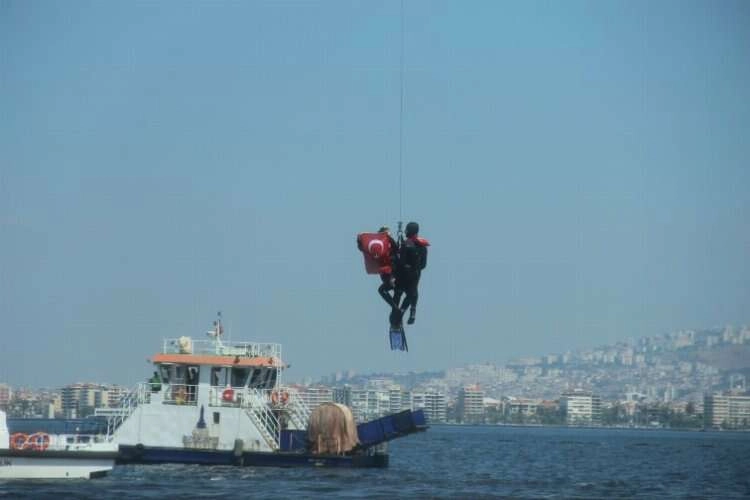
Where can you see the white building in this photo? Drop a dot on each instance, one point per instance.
(581, 408)
(520, 406)
(435, 406)
(77, 399)
(399, 400)
(471, 404)
(726, 411)
(315, 396)
(417, 401)
(5, 394)
(369, 404)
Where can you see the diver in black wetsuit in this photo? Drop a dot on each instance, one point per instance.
(411, 260)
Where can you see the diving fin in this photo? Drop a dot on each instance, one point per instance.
(397, 337)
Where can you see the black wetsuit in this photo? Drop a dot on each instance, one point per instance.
(412, 258)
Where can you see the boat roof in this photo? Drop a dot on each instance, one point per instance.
(216, 352)
(213, 360)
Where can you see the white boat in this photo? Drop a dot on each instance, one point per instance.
(53, 456)
(211, 401)
(207, 395)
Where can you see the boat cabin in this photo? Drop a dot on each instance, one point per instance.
(187, 368)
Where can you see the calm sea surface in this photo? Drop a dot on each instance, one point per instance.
(463, 462)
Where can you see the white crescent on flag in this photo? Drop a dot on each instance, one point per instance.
(375, 252)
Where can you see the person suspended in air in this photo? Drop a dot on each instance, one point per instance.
(386, 275)
(380, 251)
(411, 259)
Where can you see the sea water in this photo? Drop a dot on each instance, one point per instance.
(462, 462)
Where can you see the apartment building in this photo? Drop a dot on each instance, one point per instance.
(723, 411)
(581, 408)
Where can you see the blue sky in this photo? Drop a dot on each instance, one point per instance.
(581, 169)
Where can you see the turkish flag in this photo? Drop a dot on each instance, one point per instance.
(376, 248)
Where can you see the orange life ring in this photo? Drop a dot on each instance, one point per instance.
(228, 394)
(39, 441)
(279, 396)
(18, 441)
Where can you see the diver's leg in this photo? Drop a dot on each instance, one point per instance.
(396, 317)
(397, 293)
(413, 297)
(385, 288)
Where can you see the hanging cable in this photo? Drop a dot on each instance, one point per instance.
(401, 130)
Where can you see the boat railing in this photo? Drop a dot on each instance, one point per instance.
(257, 408)
(227, 396)
(126, 406)
(79, 442)
(41, 441)
(218, 347)
(147, 392)
(180, 394)
(297, 408)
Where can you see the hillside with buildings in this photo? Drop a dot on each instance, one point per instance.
(680, 366)
(662, 380)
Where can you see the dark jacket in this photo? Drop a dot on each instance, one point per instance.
(412, 257)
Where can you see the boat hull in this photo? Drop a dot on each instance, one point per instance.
(159, 455)
(29, 464)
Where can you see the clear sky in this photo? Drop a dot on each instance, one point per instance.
(581, 169)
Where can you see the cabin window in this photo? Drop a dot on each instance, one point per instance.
(193, 373)
(164, 371)
(219, 376)
(216, 417)
(239, 377)
(255, 380)
(179, 374)
(271, 378)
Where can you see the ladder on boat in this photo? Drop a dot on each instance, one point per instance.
(127, 405)
(263, 418)
(298, 411)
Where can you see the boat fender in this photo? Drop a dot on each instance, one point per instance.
(139, 449)
(237, 452)
(239, 447)
(279, 397)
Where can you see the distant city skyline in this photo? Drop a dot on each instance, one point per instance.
(543, 375)
(580, 169)
(686, 379)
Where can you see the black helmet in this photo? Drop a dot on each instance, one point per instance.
(412, 229)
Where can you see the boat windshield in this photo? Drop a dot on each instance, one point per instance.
(263, 378)
(239, 377)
